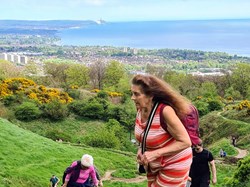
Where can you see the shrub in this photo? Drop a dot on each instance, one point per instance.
(9, 99)
(242, 174)
(55, 110)
(3, 111)
(114, 127)
(25, 88)
(214, 105)
(102, 94)
(202, 107)
(75, 94)
(55, 134)
(104, 139)
(114, 112)
(27, 111)
(76, 107)
(93, 109)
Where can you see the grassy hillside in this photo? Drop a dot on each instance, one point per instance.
(218, 128)
(70, 129)
(27, 159)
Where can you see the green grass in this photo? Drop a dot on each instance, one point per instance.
(240, 115)
(216, 126)
(223, 171)
(70, 129)
(224, 144)
(27, 159)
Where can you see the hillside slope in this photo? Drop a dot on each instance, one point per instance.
(216, 126)
(27, 159)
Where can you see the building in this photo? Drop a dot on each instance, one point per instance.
(14, 57)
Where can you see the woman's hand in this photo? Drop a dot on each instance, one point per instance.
(139, 157)
(149, 156)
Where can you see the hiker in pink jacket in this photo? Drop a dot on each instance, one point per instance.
(79, 175)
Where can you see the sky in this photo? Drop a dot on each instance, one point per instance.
(123, 10)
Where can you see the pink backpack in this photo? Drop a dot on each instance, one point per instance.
(190, 122)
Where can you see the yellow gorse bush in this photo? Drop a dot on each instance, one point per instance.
(74, 87)
(33, 91)
(243, 104)
(114, 94)
(111, 94)
(95, 90)
(14, 85)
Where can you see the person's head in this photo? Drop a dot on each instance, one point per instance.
(148, 88)
(198, 147)
(86, 161)
(141, 95)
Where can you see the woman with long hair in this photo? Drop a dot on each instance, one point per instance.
(168, 154)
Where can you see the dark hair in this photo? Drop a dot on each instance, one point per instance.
(162, 92)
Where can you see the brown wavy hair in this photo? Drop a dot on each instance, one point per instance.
(162, 92)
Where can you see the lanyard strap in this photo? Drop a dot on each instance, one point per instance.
(149, 122)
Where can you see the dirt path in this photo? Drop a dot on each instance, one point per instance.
(108, 176)
(242, 153)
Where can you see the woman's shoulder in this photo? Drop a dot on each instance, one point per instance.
(92, 168)
(166, 109)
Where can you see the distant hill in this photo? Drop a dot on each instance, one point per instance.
(40, 27)
(46, 24)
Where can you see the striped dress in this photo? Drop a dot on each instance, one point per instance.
(166, 171)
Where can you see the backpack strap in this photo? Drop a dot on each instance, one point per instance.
(150, 119)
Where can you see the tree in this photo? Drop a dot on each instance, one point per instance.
(188, 86)
(231, 92)
(114, 72)
(57, 72)
(241, 78)
(155, 70)
(97, 74)
(9, 70)
(208, 90)
(124, 84)
(173, 78)
(35, 72)
(31, 69)
(185, 84)
(77, 74)
(127, 116)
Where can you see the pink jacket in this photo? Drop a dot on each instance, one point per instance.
(84, 174)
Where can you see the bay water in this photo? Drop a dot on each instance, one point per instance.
(230, 36)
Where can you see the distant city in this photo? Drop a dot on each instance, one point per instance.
(22, 42)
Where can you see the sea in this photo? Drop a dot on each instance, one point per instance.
(230, 36)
